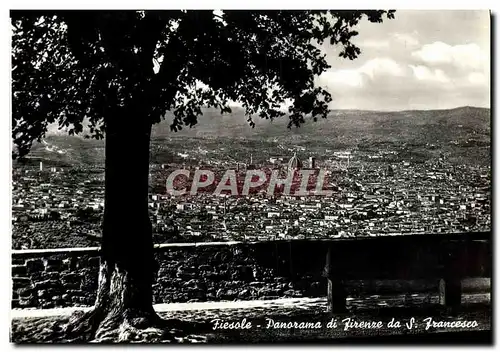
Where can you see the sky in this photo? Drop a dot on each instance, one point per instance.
(421, 60)
(436, 59)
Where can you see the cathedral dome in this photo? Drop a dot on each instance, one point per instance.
(294, 162)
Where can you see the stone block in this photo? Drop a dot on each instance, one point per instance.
(19, 270)
(243, 261)
(255, 284)
(191, 283)
(71, 286)
(164, 272)
(210, 297)
(34, 265)
(212, 275)
(235, 275)
(56, 291)
(28, 302)
(89, 282)
(73, 262)
(82, 263)
(186, 272)
(244, 294)
(18, 261)
(76, 293)
(71, 278)
(54, 275)
(82, 300)
(292, 293)
(223, 267)
(200, 295)
(21, 282)
(205, 267)
(266, 292)
(53, 268)
(224, 275)
(46, 284)
(271, 297)
(37, 276)
(25, 292)
(67, 264)
(43, 294)
(52, 262)
(48, 305)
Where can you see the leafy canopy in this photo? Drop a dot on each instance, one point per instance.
(71, 65)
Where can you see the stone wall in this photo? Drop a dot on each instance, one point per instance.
(48, 279)
(219, 271)
(188, 273)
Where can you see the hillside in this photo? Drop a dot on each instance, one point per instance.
(358, 125)
(464, 132)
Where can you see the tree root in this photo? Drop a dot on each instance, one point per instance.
(98, 326)
(82, 326)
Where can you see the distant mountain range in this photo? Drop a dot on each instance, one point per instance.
(346, 127)
(358, 123)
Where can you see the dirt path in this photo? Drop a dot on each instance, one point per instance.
(277, 321)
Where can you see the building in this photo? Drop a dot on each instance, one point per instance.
(312, 162)
(251, 165)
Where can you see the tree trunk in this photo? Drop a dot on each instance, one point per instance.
(127, 269)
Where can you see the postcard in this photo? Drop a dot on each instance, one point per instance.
(251, 176)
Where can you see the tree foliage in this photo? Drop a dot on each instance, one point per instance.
(74, 66)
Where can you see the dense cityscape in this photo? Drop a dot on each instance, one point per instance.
(256, 176)
(373, 194)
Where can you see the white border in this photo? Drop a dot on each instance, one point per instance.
(256, 4)
(5, 172)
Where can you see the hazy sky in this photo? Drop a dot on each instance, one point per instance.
(419, 60)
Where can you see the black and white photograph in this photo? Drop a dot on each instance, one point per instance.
(247, 176)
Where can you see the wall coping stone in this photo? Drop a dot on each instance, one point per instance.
(25, 253)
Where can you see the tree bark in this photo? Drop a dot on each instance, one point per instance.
(128, 267)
